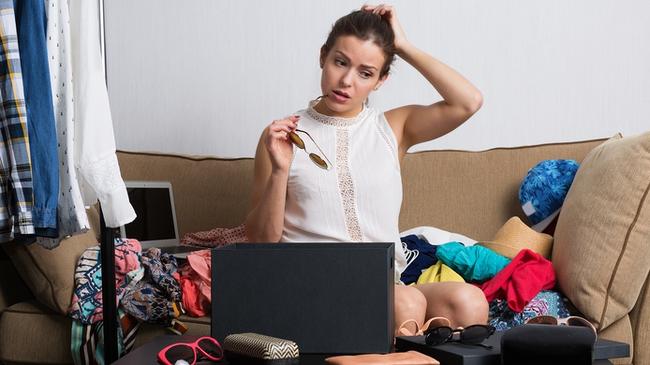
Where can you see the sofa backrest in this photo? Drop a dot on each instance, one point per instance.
(472, 193)
(208, 192)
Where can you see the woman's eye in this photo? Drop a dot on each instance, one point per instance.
(366, 75)
(339, 62)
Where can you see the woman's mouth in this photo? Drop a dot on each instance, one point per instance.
(339, 96)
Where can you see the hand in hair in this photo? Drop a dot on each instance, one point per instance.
(388, 13)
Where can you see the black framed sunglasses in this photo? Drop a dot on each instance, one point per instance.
(472, 335)
(322, 162)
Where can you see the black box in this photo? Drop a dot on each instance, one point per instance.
(459, 354)
(326, 297)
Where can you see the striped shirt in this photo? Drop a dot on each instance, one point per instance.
(16, 194)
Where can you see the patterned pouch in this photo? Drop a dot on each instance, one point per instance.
(253, 348)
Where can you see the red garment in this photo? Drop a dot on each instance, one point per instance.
(195, 280)
(521, 280)
(196, 273)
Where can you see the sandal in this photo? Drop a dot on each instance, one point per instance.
(419, 331)
(403, 331)
(433, 323)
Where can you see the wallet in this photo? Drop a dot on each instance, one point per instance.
(254, 348)
(395, 358)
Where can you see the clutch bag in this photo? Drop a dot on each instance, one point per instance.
(254, 348)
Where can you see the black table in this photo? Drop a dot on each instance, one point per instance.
(147, 353)
(459, 354)
(604, 350)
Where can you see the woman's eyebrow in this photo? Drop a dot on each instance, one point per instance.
(348, 59)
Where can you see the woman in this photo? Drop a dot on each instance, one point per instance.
(356, 194)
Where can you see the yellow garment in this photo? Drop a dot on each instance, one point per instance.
(437, 273)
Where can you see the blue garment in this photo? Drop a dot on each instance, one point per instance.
(420, 255)
(30, 23)
(473, 263)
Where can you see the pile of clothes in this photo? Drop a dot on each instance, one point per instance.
(513, 269)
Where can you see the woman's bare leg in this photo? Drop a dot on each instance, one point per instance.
(410, 303)
(463, 304)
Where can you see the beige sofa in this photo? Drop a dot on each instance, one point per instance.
(472, 193)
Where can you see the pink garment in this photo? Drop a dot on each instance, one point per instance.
(195, 280)
(216, 237)
(196, 274)
(521, 280)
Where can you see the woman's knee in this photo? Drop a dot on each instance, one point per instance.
(470, 303)
(410, 301)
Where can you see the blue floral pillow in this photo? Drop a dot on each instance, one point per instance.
(543, 190)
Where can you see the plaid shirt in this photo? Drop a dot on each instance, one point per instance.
(16, 195)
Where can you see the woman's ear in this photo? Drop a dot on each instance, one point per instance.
(380, 82)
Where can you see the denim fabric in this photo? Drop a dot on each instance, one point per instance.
(30, 22)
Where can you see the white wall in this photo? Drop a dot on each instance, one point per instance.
(206, 76)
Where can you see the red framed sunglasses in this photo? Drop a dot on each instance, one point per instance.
(203, 348)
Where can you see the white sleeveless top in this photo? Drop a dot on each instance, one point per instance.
(359, 198)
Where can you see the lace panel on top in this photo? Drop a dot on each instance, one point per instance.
(335, 121)
(346, 186)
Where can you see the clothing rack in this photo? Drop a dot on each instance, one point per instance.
(107, 250)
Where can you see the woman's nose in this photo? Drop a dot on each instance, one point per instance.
(346, 80)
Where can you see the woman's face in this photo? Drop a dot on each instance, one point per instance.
(350, 72)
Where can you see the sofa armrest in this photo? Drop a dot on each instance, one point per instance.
(640, 318)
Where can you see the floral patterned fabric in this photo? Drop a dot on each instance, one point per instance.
(544, 188)
(547, 302)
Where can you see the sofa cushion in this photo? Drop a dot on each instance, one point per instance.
(32, 334)
(601, 249)
(49, 274)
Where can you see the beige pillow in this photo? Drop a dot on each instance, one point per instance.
(602, 240)
(49, 274)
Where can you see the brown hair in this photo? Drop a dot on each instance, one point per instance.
(365, 26)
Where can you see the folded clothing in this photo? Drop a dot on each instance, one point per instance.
(474, 263)
(196, 281)
(420, 255)
(439, 272)
(521, 280)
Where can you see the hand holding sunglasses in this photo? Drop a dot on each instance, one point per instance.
(472, 335)
(191, 352)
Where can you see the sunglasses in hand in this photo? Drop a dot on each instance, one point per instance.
(472, 335)
(316, 159)
(191, 352)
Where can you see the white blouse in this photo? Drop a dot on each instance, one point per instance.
(359, 198)
(71, 212)
(95, 159)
